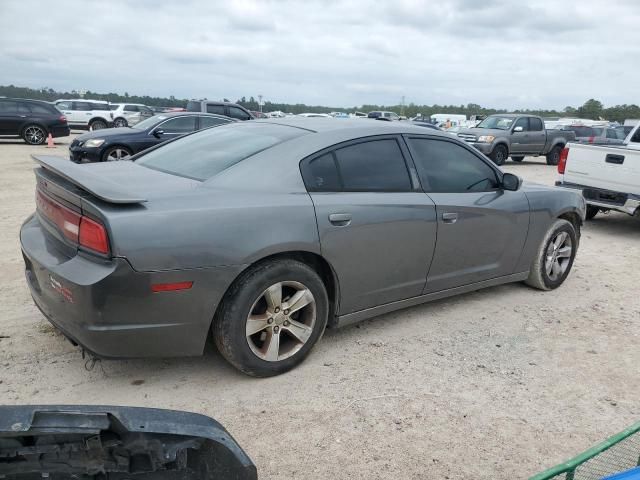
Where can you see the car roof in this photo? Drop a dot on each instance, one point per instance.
(23, 100)
(190, 114)
(359, 127)
(216, 102)
(80, 100)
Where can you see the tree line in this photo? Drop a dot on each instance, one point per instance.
(591, 109)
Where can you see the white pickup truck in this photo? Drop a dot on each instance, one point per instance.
(608, 175)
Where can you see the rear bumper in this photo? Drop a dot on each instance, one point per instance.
(108, 308)
(60, 131)
(622, 202)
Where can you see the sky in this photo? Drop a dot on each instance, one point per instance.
(496, 53)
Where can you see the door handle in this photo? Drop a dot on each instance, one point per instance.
(450, 217)
(340, 219)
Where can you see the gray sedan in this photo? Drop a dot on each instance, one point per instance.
(262, 234)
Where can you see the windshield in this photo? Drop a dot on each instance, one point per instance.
(205, 154)
(501, 123)
(149, 122)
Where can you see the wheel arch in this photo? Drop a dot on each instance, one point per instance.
(93, 119)
(572, 217)
(30, 123)
(103, 155)
(317, 262)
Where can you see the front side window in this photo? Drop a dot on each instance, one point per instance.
(235, 112)
(179, 125)
(522, 122)
(448, 167)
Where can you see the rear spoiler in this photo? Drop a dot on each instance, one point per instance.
(86, 179)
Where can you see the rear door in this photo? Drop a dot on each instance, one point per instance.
(537, 136)
(376, 228)
(481, 227)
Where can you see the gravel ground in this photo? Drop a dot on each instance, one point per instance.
(498, 383)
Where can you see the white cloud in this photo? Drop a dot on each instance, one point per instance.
(500, 53)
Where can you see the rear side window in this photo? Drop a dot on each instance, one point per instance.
(636, 137)
(99, 106)
(63, 105)
(82, 106)
(321, 174)
(130, 108)
(42, 109)
(448, 167)
(582, 131)
(193, 106)
(206, 122)
(23, 108)
(218, 109)
(535, 124)
(205, 154)
(8, 107)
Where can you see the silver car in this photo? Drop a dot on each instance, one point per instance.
(261, 234)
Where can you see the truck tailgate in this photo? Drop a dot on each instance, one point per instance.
(604, 167)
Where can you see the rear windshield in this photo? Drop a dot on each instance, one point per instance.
(194, 106)
(205, 154)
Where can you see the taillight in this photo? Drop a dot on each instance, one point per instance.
(591, 139)
(93, 235)
(562, 162)
(62, 118)
(75, 227)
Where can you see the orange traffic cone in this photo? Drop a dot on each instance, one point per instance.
(50, 142)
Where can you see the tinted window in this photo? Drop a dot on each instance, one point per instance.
(377, 165)
(83, 106)
(206, 122)
(235, 112)
(522, 122)
(193, 106)
(23, 109)
(100, 106)
(207, 153)
(636, 137)
(63, 105)
(130, 108)
(535, 124)
(321, 174)
(8, 107)
(179, 125)
(582, 131)
(374, 114)
(113, 107)
(219, 109)
(41, 109)
(447, 167)
(597, 131)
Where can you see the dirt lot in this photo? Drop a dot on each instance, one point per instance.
(498, 383)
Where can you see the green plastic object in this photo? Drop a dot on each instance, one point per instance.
(616, 454)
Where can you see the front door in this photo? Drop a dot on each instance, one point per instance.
(481, 227)
(520, 140)
(376, 229)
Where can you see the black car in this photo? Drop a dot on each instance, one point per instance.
(33, 120)
(120, 143)
(227, 109)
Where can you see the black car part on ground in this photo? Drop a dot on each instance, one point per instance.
(97, 442)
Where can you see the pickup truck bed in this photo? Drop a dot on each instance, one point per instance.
(609, 176)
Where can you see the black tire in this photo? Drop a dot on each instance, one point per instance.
(538, 276)
(34, 134)
(517, 159)
(117, 152)
(120, 122)
(98, 125)
(499, 154)
(591, 212)
(230, 323)
(553, 157)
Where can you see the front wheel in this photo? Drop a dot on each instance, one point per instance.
(554, 257)
(114, 154)
(499, 154)
(271, 318)
(553, 157)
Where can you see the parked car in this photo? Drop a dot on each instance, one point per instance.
(597, 135)
(257, 114)
(31, 120)
(92, 441)
(86, 114)
(263, 233)
(314, 115)
(607, 176)
(516, 135)
(128, 114)
(232, 110)
(121, 143)
(389, 116)
(425, 125)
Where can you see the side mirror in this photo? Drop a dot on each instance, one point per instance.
(511, 182)
(518, 129)
(158, 133)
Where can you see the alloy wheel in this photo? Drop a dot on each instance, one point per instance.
(281, 321)
(558, 255)
(117, 154)
(34, 135)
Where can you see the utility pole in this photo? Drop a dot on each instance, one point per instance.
(260, 102)
(402, 107)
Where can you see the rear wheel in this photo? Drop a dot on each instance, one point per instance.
(120, 122)
(553, 157)
(517, 159)
(271, 318)
(114, 154)
(98, 125)
(591, 212)
(34, 135)
(499, 154)
(555, 256)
